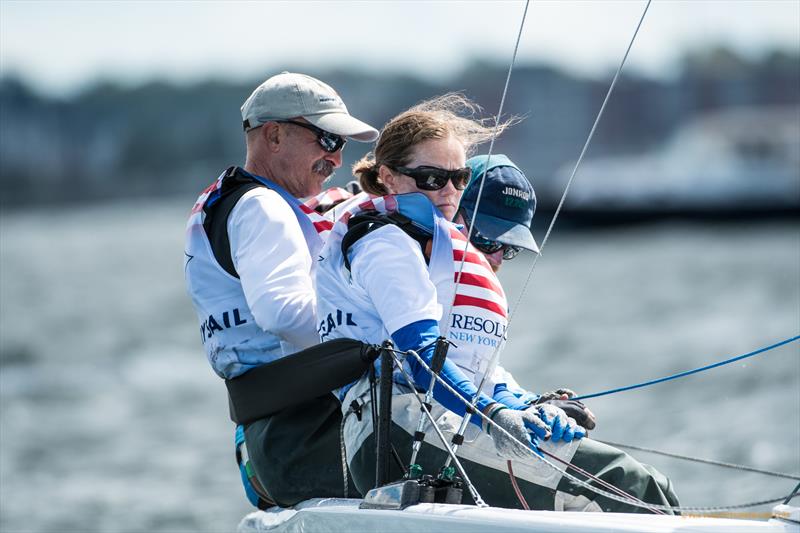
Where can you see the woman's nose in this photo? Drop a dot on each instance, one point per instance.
(449, 189)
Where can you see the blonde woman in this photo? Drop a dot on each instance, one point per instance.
(384, 276)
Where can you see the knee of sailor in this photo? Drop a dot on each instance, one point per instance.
(664, 484)
(638, 474)
(655, 475)
(646, 482)
(614, 463)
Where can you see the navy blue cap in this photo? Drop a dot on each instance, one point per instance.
(507, 205)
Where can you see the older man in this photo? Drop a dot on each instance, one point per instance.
(250, 250)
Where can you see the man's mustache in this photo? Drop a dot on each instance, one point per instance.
(323, 167)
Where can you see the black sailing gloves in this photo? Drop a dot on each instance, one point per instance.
(561, 398)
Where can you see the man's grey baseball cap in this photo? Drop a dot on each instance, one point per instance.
(289, 95)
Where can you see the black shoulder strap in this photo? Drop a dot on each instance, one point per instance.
(369, 221)
(357, 227)
(234, 185)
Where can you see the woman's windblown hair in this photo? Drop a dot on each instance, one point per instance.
(438, 118)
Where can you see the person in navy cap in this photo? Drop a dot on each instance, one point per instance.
(500, 230)
(502, 227)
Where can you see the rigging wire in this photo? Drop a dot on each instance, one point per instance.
(424, 408)
(688, 372)
(792, 495)
(489, 158)
(700, 460)
(446, 328)
(627, 498)
(496, 354)
(577, 165)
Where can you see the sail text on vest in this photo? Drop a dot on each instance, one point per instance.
(332, 321)
(230, 319)
(477, 323)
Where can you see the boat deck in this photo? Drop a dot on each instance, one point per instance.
(328, 514)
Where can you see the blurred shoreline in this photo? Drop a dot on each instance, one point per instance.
(570, 218)
(721, 130)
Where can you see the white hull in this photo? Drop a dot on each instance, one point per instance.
(318, 515)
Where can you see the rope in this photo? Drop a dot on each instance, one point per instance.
(688, 372)
(607, 485)
(514, 484)
(343, 453)
(699, 460)
(629, 501)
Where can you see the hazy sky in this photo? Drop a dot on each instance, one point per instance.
(62, 46)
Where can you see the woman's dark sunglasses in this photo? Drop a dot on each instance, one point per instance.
(330, 142)
(434, 178)
(489, 246)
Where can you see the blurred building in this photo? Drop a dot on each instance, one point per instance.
(744, 159)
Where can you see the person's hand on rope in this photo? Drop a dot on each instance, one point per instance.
(558, 394)
(526, 427)
(562, 398)
(562, 426)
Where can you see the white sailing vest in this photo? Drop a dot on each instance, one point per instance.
(474, 319)
(478, 317)
(233, 342)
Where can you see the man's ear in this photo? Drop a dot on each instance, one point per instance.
(272, 135)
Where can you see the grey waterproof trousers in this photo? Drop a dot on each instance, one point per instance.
(543, 487)
(296, 453)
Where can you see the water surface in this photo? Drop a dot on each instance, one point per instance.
(112, 420)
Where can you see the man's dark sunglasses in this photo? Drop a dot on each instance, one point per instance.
(330, 142)
(434, 178)
(489, 246)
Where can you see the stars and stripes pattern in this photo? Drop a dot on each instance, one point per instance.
(381, 204)
(327, 199)
(478, 286)
(207, 192)
(321, 224)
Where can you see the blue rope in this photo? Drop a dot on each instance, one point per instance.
(688, 372)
